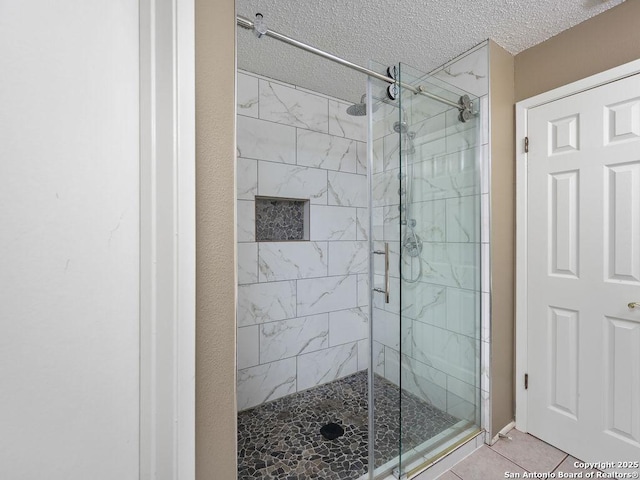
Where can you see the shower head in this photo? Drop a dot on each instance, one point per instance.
(401, 127)
(360, 109)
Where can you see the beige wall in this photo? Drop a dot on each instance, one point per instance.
(603, 42)
(215, 240)
(501, 96)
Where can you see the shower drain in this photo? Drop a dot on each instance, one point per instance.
(331, 431)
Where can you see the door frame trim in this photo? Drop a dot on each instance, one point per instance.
(522, 110)
(167, 240)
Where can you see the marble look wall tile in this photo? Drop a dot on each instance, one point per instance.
(248, 347)
(485, 412)
(466, 391)
(378, 358)
(346, 189)
(469, 72)
(288, 338)
(463, 219)
(247, 178)
(363, 354)
(428, 303)
(392, 365)
(286, 105)
(391, 223)
(278, 180)
(453, 264)
(463, 140)
(386, 328)
(362, 224)
(485, 368)
(246, 221)
(431, 218)
(327, 365)
(425, 382)
(348, 258)
(386, 186)
(460, 408)
(292, 260)
(378, 155)
(247, 263)
(345, 125)
(332, 223)
(348, 326)
(266, 140)
(429, 130)
(320, 150)
(391, 157)
(263, 383)
(463, 310)
(431, 150)
(362, 162)
(449, 352)
(266, 302)
(319, 295)
(247, 95)
(363, 290)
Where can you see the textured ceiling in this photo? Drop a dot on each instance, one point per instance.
(422, 33)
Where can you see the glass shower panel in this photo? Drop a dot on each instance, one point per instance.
(438, 253)
(384, 174)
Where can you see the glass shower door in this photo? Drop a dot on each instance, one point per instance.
(425, 235)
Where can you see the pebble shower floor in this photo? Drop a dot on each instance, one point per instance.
(281, 440)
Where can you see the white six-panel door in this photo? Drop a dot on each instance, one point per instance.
(583, 265)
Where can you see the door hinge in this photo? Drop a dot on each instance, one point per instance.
(526, 381)
(526, 144)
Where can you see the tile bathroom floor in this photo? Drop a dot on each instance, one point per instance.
(518, 454)
(281, 440)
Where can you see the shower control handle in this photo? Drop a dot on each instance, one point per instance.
(384, 290)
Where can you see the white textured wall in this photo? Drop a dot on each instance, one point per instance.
(69, 240)
(302, 315)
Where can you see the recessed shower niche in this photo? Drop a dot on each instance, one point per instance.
(281, 219)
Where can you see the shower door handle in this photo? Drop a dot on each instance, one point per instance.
(384, 290)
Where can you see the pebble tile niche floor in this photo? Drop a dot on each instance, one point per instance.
(281, 440)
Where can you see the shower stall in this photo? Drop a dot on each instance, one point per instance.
(359, 325)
